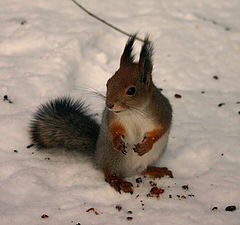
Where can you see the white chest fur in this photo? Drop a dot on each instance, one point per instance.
(136, 126)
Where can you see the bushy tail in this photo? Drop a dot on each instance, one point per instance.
(64, 122)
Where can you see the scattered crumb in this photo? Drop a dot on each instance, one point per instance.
(16, 151)
(118, 207)
(137, 196)
(222, 154)
(231, 208)
(130, 212)
(215, 77)
(5, 98)
(44, 216)
(47, 158)
(129, 218)
(155, 192)
(177, 96)
(185, 187)
(92, 210)
(139, 180)
(29, 146)
(23, 22)
(221, 104)
(202, 92)
(191, 195)
(214, 208)
(170, 196)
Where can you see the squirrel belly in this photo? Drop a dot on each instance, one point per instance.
(128, 164)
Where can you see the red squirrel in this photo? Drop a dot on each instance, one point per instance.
(135, 123)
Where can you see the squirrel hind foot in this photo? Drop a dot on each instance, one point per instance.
(158, 172)
(118, 183)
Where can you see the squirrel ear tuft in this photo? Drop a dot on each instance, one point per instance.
(145, 61)
(127, 56)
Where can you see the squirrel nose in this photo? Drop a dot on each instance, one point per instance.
(110, 106)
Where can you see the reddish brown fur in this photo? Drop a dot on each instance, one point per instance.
(117, 132)
(150, 138)
(117, 86)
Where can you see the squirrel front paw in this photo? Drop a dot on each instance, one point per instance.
(119, 144)
(144, 147)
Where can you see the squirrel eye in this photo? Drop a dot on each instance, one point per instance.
(131, 91)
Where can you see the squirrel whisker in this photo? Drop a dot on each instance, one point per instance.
(141, 112)
(93, 91)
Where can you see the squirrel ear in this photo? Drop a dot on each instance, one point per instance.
(127, 56)
(145, 61)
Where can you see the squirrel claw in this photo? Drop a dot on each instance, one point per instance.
(124, 152)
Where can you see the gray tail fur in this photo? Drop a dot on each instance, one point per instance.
(64, 122)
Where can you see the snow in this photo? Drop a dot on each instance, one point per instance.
(52, 48)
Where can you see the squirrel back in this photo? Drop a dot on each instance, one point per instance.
(64, 122)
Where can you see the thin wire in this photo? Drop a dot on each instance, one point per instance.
(105, 22)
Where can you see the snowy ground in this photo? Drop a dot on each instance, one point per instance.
(52, 48)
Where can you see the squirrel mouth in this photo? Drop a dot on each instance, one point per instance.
(117, 111)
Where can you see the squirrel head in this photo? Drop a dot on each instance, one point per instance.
(131, 85)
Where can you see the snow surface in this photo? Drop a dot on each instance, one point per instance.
(52, 48)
